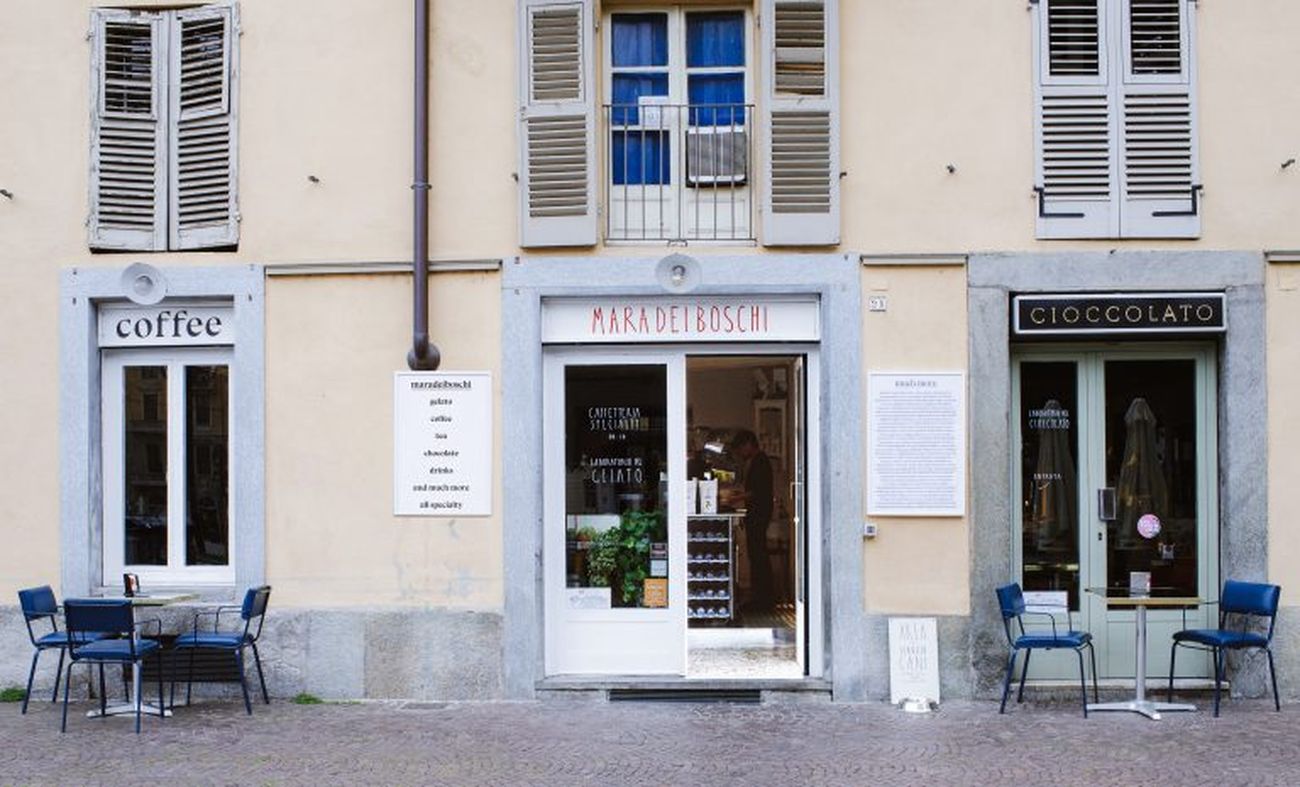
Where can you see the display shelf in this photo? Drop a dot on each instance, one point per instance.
(710, 586)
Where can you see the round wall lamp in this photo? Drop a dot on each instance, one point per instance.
(143, 284)
(678, 273)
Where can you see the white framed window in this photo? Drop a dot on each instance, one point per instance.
(164, 107)
(659, 161)
(167, 465)
(1116, 142)
(679, 120)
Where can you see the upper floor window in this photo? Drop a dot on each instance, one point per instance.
(1116, 119)
(163, 153)
(670, 144)
(678, 120)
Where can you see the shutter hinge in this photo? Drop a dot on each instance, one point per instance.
(1042, 207)
(1195, 209)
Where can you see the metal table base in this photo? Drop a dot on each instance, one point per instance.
(1140, 703)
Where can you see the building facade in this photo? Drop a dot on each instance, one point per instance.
(1001, 290)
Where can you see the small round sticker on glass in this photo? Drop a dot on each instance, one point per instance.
(1148, 526)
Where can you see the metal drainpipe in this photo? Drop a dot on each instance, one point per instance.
(424, 355)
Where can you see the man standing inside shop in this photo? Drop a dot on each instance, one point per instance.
(756, 474)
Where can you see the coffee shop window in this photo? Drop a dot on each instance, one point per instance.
(167, 465)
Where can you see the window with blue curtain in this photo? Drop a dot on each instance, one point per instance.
(639, 61)
(715, 40)
(640, 158)
(715, 61)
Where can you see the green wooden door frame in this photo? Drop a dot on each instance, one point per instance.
(1113, 631)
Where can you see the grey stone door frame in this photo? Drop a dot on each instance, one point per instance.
(81, 292)
(835, 279)
(1242, 406)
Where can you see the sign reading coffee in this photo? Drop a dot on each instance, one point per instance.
(1122, 313)
(178, 324)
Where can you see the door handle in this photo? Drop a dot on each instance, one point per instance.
(1106, 504)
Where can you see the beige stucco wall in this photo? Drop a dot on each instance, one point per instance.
(936, 82)
(916, 565)
(331, 535)
(325, 91)
(1283, 298)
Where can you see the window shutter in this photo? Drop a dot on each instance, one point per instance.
(1076, 175)
(128, 157)
(1158, 157)
(801, 163)
(204, 172)
(557, 179)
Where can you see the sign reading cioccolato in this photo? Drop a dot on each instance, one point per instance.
(1120, 313)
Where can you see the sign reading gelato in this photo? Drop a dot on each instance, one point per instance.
(442, 442)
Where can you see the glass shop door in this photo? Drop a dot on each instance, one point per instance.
(1116, 475)
(614, 526)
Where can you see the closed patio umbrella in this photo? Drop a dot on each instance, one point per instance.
(1142, 488)
(1055, 503)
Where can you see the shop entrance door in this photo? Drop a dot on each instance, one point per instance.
(1116, 473)
(614, 526)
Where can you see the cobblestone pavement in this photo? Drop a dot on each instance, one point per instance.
(561, 742)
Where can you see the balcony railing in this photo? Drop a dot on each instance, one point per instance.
(678, 172)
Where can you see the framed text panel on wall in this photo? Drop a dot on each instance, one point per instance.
(916, 444)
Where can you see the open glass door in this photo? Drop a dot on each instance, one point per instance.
(614, 545)
(798, 484)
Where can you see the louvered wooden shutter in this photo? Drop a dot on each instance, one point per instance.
(128, 177)
(557, 171)
(1158, 157)
(801, 162)
(1074, 123)
(204, 157)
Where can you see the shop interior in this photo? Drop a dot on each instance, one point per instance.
(742, 424)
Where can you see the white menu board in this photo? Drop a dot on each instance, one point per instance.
(442, 444)
(916, 439)
(913, 659)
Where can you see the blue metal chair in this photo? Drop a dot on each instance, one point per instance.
(89, 617)
(253, 609)
(1242, 608)
(37, 604)
(1012, 601)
